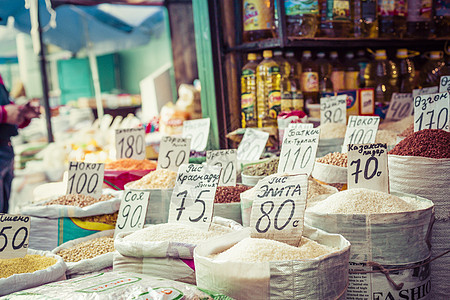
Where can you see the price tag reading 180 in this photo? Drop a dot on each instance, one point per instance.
(132, 211)
(401, 106)
(333, 109)
(431, 111)
(130, 143)
(252, 145)
(14, 234)
(193, 196)
(360, 130)
(226, 159)
(198, 132)
(173, 152)
(85, 178)
(279, 208)
(367, 167)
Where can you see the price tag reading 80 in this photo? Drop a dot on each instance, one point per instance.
(85, 178)
(360, 130)
(173, 152)
(130, 143)
(198, 132)
(252, 145)
(14, 234)
(333, 109)
(431, 111)
(132, 211)
(279, 208)
(226, 159)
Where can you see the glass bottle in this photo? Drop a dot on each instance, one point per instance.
(301, 17)
(406, 71)
(310, 79)
(248, 93)
(258, 20)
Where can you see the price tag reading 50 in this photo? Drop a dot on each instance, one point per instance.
(173, 152)
(85, 178)
(132, 211)
(14, 234)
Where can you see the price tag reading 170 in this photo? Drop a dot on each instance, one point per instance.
(132, 211)
(333, 109)
(198, 132)
(252, 145)
(173, 152)
(226, 159)
(279, 208)
(367, 167)
(130, 143)
(14, 234)
(401, 106)
(85, 178)
(431, 111)
(193, 196)
(360, 130)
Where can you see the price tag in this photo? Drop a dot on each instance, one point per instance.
(445, 84)
(132, 211)
(360, 130)
(227, 160)
(279, 208)
(367, 167)
(333, 109)
(14, 234)
(425, 91)
(198, 132)
(85, 178)
(298, 151)
(431, 111)
(130, 143)
(193, 196)
(300, 125)
(401, 106)
(252, 145)
(173, 152)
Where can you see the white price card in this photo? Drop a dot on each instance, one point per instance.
(425, 91)
(85, 178)
(298, 151)
(444, 85)
(132, 211)
(252, 145)
(367, 167)
(431, 111)
(279, 208)
(360, 130)
(173, 152)
(227, 160)
(401, 106)
(14, 234)
(300, 125)
(198, 132)
(193, 195)
(333, 109)
(130, 143)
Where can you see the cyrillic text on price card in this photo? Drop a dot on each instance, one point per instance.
(279, 208)
(425, 91)
(252, 145)
(333, 109)
(132, 211)
(85, 178)
(130, 143)
(193, 196)
(14, 235)
(173, 152)
(367, 167)
(432, 111)
(444, 85)
(227, 160)
(198, 132)
(298, 151)
(300, 125)
(360, 130)
(401, 106)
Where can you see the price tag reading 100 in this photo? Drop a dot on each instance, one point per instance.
(132, 212)
(226, 159)
(85, 178)
(14, 234)
(360, 130)
(173, 152)
(130, 143)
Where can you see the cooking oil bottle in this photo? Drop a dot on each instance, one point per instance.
(433, 69)
(248, 92)
(362, 62)
(325, 84)
(365, 18)
(337, 72)
(310, 79)
(406, 71)
(335, 18)
(285, 82)
(392, 18)
(378, 76)
(268, 91)
(258, 20)
(294, 81)
(419, 20)
(351, 72)
(301, 17)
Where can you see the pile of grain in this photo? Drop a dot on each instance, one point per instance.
(433, 143)
(158, 179)
(262, 169)
(316, 189)
(335, 158)
(397, 126)
(88, 249)
(109, 219)
(126, 164)
(264, 250)
(173, 232)
(363, 201)
(386, 136)
(28, 264)
(229, 194)
(332, 131)
(78, 200)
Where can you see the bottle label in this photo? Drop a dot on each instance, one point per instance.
(248, 73)
(297, 101)
(419, 11)
(341, 10)
(257, 15)
(442, 8)
(248, 102)
(351, 80)
(274, 103)
(337, 78)
(301, 7)
(392, 8)
(310, 81)
(369, 10)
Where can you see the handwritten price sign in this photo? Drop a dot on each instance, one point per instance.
(431, 111)
(198, 132)
(130, 143)
(132, 211)
(252, 145)
(360, 130)
(173, 152)
(226, 159)
(14, 234)
(85, 178)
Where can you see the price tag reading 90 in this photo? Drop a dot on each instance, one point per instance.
(85, 178)
(14, 234)
(198, 132)
(226, 159)
(252, 145)
(279, 208)
(130, 143)
(360, 130)
(132, 211)
(431, 111)
(173, 152)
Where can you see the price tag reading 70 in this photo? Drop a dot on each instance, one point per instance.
(85, 178)
(14, 234)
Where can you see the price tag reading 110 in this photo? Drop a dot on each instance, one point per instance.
(14, 234)
(130, 143)
(132, 211)
(85, 178)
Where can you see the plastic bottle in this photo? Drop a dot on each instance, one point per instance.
(377, 75)
(419, 20)
(335, 18)
(337, 72)
(351, 72)
(301, 17)
(268, 91)
(294, 80)
(258, 20)
(285, 68)
(285, 84)
(433, 69)
(325, 84)
(365, 18)
(442, 18)
(406, 71)
(248, 92)
(310, 79)
(392, 18)
(362, 62)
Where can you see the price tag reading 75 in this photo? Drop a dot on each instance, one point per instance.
(85, 178)
(14, 234)
(173, 152)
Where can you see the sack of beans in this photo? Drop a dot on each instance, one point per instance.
(120, 172)
(165, 250)
(93, 253)
(227, 202)
(331, 138)
(34, 269)
(117, 286)
(242, 267)
(387, 231)
(331, 170)
(420, 165)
